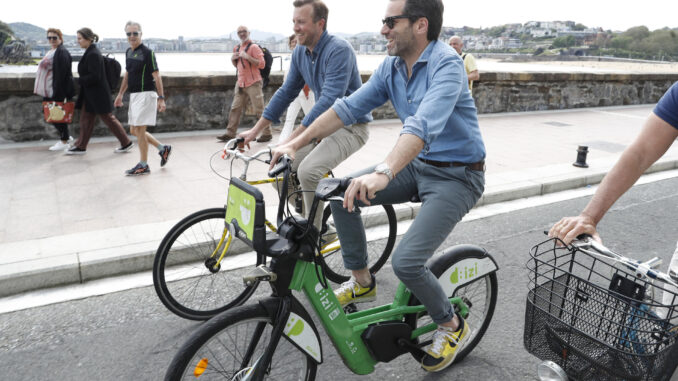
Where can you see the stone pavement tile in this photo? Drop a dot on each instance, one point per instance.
(17, 251)
(43, 225)
(33, 206)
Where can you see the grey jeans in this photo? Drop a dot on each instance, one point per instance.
(314, 161)
(447, 194)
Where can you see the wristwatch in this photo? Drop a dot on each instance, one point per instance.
(161, 97)
(383, 168)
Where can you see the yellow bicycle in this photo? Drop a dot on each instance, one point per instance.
(197, 272)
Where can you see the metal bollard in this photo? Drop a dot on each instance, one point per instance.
(582, 151)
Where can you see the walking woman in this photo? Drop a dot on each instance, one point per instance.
(95, 96)
(54, 81)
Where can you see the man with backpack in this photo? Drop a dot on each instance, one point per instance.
(469, 61)
(248, 58)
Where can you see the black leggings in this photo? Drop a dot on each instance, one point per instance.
(63, 131)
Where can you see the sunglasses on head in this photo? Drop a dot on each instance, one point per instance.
(52, 38)
(390, 21)
(132, 34)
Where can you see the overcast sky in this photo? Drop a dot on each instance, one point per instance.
(194, 18)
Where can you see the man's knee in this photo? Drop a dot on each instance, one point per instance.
(309, 173)
(406, 269)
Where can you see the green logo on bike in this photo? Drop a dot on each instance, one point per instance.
(296, 327)
(466, 274)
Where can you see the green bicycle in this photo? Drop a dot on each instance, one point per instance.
(197, 271)
(275, 338)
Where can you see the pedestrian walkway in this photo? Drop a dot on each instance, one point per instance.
(69, 219)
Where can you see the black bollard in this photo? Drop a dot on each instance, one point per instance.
(582, 151)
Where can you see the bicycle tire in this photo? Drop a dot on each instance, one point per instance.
(377, 252)
(222, 341)
(482, 293)
(181, 276)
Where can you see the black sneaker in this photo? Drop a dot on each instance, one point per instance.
(75, 151)
(164, 155)
(124, 149)
(138, 170)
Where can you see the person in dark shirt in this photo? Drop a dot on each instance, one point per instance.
(143, 80)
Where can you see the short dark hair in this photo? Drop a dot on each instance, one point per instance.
(87, 34)
(432, 10)
(320, 11)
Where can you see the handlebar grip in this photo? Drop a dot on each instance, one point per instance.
(283, 163)
(345, 182)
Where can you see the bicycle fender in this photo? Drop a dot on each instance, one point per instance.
(300, 329)
(476, 264)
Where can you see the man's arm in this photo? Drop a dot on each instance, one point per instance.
(366, 186)
(160, 90)
(473, 76)
(325, 125)
(653, 141)
(123, 88)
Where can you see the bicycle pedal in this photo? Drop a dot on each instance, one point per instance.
(350, 308)
(260, 273)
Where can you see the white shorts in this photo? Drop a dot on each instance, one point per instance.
(143, 108)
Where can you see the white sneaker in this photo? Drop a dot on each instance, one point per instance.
(59, 146)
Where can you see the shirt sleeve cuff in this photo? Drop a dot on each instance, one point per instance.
(344, 112)
(418, 128)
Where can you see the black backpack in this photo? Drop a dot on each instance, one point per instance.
(113, 70)
(268, 62)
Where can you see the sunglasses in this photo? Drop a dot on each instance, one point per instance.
(132, 34)
(242, 31)
(390, 21)
(52, 38)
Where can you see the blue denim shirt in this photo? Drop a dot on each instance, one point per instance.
(667, 107)
(331, 71)
(434, 104)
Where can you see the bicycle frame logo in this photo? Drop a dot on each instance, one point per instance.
(466, 271)
(300, 332)
(241, 207)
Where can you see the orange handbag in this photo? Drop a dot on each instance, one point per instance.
(58, 112)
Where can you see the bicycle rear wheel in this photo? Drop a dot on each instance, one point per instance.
(217, 349)
(480, 295)
(377, 251)
(185, 275)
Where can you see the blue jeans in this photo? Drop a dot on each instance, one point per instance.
(447, 194)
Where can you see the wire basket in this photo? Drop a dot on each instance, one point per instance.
(596, 319)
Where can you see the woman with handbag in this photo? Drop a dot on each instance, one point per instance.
(54, 81)
(95, 96)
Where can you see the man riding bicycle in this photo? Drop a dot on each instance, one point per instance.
(438, 158)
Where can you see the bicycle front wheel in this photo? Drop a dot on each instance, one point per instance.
(185, 274)
(218, 350)
(480, 295)
(377, 250)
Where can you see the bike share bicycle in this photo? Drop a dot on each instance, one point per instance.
(276, 337)
(593, 314)
(196, 274)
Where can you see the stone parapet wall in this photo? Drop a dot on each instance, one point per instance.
(200, 101)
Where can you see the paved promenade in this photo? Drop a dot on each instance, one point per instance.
(69, 219)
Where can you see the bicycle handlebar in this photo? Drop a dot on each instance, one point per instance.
(586, 243)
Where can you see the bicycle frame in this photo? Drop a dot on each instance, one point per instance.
(345, 330)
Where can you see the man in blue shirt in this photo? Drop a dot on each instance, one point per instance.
(328, 65)
(438, 157)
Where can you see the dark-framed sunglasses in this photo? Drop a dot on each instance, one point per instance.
(390, 21)
(132, 34)
(52, 38)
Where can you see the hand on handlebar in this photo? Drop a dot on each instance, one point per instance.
(364, 188)
(248, 136)
(568, 228)
(279, 151)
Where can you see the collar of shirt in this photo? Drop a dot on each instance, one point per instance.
(319, 46)
(401, 65)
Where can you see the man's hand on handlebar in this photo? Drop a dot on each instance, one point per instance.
(569, 228)
(248, 135)
(364, 188)
(280, 150)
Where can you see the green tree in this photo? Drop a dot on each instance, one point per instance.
(637, 32)
(579, 26)
(6, 33)
(496, 31)
(564, 42)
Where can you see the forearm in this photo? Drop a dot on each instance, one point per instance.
(324, 126)
(158, 83)
(123, 86)
(474, 75)
(406, 149)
